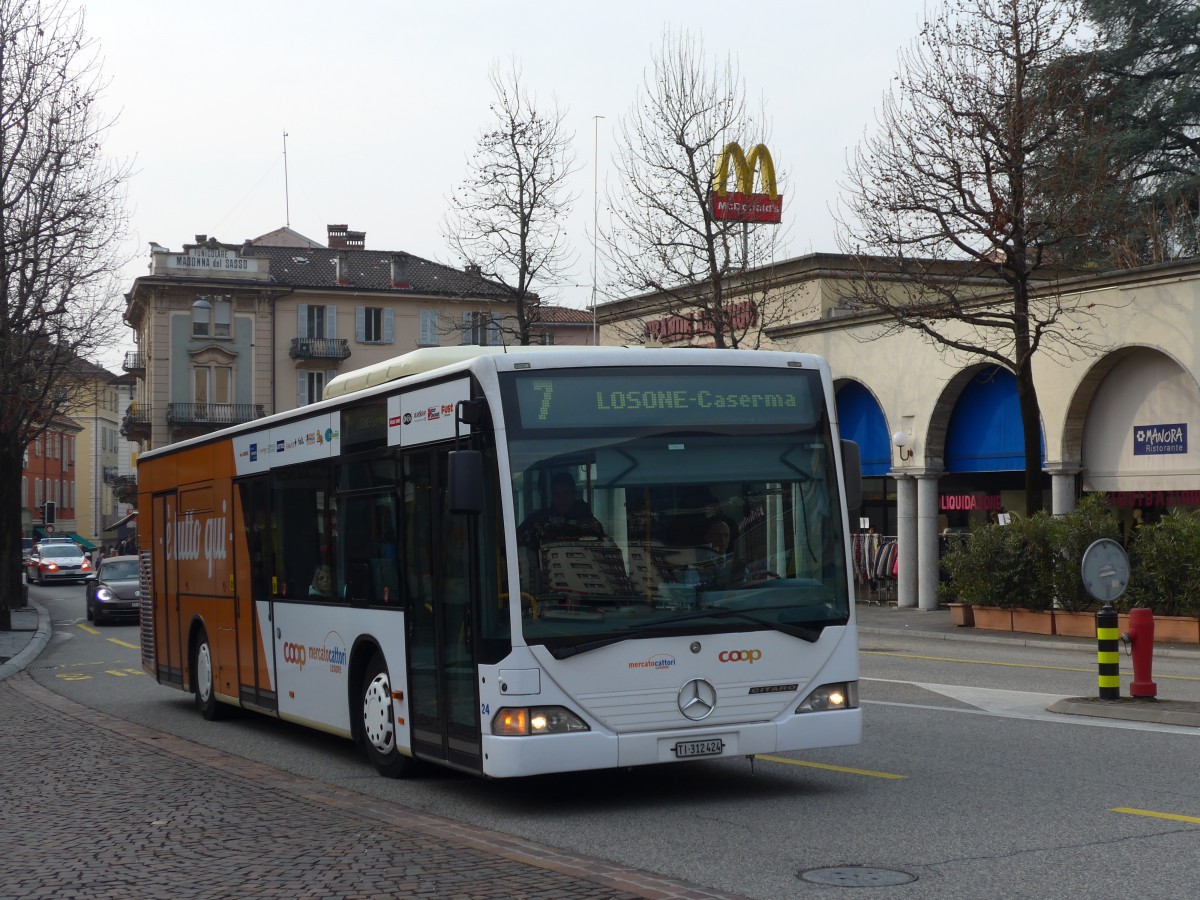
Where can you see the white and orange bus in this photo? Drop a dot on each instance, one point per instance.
(519, 561)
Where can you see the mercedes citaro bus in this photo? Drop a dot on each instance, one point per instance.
(519, 561)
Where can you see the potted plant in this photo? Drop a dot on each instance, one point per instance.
(1091, 520)
(979, 574)
(1165, 576)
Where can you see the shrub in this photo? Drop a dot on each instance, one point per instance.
(1165, 562)
(1090, 521)
(1031, 563)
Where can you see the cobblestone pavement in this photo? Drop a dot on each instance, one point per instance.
(96, 807)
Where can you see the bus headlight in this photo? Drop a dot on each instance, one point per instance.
(831, 696)
(518, 721)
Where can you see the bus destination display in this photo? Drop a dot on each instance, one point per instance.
(664, 397)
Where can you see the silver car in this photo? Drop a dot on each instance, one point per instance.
(51, 562)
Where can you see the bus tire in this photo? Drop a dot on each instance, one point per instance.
(203, 688)
(378, 721)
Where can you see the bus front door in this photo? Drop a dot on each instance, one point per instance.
(442, 586)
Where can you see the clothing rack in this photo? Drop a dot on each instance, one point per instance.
(874, 559)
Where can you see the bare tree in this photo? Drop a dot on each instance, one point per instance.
(663, 240)
(987, 152)
(508, 216)
(62, 220)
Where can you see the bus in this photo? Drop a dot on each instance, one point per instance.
(515, 561)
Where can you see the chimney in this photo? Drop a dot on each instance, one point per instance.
(400, 271)
(472, 269)
(342, 238)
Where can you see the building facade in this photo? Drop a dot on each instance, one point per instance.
(227, 333)
(49, 475)
(940, 433)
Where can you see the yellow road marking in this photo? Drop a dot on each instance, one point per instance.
(1195, 820)
(124, 644)
(87, 628)
(1013, 665)
(816, 765)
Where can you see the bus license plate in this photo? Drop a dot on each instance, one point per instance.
(700, 748)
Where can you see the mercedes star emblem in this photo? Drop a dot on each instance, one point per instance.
(697, 699)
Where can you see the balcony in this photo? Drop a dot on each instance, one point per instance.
(320, 348)
(135, 361)
(212, 414)
(135, 425)
(110, 474)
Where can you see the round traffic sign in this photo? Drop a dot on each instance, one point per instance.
(49, 529)
(1105, 570)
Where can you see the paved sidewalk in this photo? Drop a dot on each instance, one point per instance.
(107, 808)
(935, 624)
(29, 636)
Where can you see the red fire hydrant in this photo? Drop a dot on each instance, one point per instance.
(1141, 643)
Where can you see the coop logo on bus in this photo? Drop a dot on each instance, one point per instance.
(747, 656)
(193, 537)
(659, 663)
(332, 652)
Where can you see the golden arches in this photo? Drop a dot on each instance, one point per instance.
(744, 166)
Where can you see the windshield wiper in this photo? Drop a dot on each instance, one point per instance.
(812, 635)
(656, 629)
(575, 649)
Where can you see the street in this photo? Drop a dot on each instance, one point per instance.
(963, 780)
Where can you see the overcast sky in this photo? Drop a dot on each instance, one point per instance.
(383, 101)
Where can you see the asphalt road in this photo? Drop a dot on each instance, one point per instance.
(963, 779)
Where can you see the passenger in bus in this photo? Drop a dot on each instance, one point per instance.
(322, 582)
(566, 518)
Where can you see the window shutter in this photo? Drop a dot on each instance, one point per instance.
(466, 328)
(360, 323)
(302, 320)
(301, 388)
(331, 322)
(429, 327)
(493, 338)
(387, 326)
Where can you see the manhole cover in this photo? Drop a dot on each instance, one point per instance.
(857, 876)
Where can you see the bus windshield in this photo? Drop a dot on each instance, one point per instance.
(674, 500)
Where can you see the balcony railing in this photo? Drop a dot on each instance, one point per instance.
(110, 474)
(135, 361)
(320, 348)
(212, 413)
(136, 423)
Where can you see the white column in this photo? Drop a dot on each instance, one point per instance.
(927, 540)
(1062, 486)
(906, 538)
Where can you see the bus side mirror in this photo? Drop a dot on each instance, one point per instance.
(465, 481)
(852, 473)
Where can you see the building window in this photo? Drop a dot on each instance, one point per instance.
(25, 491)
(201, 317)
(212, 384)
(313, 321)
(547, 338)
(481, 328)
(372, 325)
(310, 385)
(37, 492)
(212, 317)
(429, 328)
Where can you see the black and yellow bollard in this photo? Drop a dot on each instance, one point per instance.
(1108, 653)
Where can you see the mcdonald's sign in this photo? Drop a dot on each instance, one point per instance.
(742, 204)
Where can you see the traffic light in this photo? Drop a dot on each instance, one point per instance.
(48, 513)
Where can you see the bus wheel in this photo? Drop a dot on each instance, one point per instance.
(379, 721)
(202, 679)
